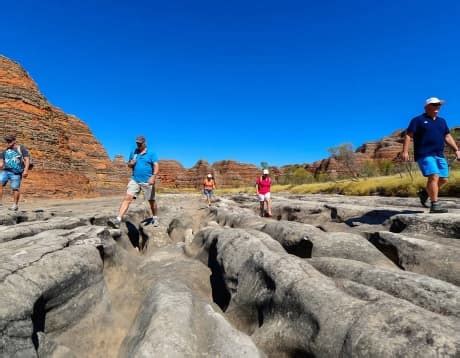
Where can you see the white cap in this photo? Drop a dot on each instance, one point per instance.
(433, 100)
(209, 176)
(265, 171)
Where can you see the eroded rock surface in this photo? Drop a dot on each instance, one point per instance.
(325, 277)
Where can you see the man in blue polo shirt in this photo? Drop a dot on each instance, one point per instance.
(429, 133)
(144, 164)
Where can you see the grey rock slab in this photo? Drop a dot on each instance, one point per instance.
(442, 225)
(353, 214)
(173, 322)
(48, 348)
(177, 317)
(421, 256)
(288, 306)
(333, 244)
(14, 232)
(49, 282)
(375, 201)
(305, 240)
(434, 295)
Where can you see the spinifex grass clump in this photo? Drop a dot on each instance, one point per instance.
(395, 185)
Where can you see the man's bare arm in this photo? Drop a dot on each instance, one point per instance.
(451, 142)
(406, 144)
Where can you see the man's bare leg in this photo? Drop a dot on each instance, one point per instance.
(269, 207)
(16, 196)
(432, 187)
(124, 206)
(153, 207)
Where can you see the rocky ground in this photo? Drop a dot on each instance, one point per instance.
(327, 276)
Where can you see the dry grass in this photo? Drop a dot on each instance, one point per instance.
(386, 186)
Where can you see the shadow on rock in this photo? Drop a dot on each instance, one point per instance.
(376, 217)
(133, 234)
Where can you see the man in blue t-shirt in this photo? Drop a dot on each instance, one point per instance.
(144, 164)
(429, 133)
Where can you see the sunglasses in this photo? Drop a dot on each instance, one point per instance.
(435, 104)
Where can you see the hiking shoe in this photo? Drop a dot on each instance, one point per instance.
(423, 196)
(114, 223)
(14, 207)
(155, 221)
(437, 209)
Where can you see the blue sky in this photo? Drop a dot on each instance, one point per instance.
(253, 81)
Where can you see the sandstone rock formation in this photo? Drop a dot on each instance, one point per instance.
(68, 160)
(386, 149)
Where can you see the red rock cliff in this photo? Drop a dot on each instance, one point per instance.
(68, 160)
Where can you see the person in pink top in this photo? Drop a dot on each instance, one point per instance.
(263, 185)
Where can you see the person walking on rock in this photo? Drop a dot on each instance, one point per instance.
(14, 162)
(209, 185)
(145, 167)
(430, 133)
(263, 187)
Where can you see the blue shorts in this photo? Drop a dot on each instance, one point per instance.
(207, 192)
(434, 165)
(14, 179)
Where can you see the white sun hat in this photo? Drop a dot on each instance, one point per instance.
(432, 100)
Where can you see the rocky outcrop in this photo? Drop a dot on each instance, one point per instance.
(68, 159)
(222, 281)
(176, 318)
(288, 306)
(387, 149)
(48, 282)
(227, 174)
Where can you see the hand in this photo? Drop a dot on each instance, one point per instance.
(132, 163)
(405, 156)
(25, 174)
(152, 180)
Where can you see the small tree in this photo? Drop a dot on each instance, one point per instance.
(369, 169)
(344, 154)
(264, 165)
(302, 176)
(386, 167)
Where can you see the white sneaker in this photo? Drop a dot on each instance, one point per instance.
(14, 207)
(114, 223)
(155, 221)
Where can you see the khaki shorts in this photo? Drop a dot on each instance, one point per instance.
(134, 188)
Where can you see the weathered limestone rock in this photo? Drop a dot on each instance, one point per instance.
(431, 294)
(443, 225)
(421, 256)
(48, 282)
(289, 307)
(305, 240)
(8, 233)
(177, 319)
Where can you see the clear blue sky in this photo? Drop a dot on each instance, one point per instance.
(274, 81)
